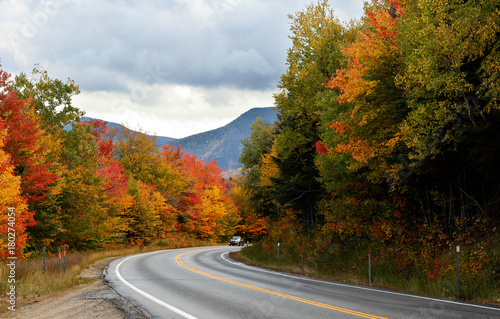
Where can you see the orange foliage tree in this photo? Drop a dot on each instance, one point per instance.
(360, 139)
(367, 127)
(11, 205)
(24, 155)
(211, 214)
(252, 224)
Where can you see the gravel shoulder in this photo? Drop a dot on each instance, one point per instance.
(93, 300)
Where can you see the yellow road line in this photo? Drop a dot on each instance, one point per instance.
(310, 302)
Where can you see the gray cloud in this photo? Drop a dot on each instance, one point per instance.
(140, 51)
(196, 42)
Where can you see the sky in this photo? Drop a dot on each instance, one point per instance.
(174, 68)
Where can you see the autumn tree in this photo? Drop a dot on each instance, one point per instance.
(315, 55)
(116, 199)
(183, 192)
(451, 52)
(35, 141)
(24, 144)
(147, 214)
(255, 148)
(138, 154)
(252, 224)
(158, 169)
(405, 134)
(11, 205)
(366, 124)
(360, 138)
(413, 113)
(93, 198)
(208, 212)
(50, 98)
(29, 148)
(448, 78)
(216, 217)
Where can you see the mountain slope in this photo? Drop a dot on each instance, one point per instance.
(224, 144)
(160, 140)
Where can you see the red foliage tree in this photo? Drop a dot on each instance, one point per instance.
(23, 144)
(25, 158)
(110, 170)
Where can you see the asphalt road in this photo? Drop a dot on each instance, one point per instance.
(206, 283)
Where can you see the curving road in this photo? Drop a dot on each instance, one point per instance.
(206, 283)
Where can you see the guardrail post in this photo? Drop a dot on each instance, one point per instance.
(458, 272)
(64, 250)
(369, 267)
(60, 260)
(44, 251)
(278, 255)
(302, 258)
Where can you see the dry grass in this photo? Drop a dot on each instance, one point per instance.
(304, 270)
(32, 282)
(357, 273)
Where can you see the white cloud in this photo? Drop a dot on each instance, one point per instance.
(177, 67)
(173, 110)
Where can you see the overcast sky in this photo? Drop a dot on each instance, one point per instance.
(174, 68)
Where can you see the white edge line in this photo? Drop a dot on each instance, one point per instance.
(148, 296)
(353, 286)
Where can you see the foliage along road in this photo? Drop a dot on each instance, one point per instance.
(206, 283)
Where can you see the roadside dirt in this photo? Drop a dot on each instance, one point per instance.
(94, 300)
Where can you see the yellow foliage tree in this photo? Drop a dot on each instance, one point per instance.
(12, 206)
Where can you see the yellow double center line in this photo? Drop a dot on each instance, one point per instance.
(310, 302)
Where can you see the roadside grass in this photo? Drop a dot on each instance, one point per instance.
(31, 282)
(351, 267)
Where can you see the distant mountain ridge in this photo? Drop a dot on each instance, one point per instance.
(222, 144)
(160, 140)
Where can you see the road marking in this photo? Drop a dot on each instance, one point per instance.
(272, 292)
(148, 296)
(355, 287)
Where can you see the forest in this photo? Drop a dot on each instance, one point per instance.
(387, 141)
(90, 187)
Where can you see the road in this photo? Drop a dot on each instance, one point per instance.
(206, 283)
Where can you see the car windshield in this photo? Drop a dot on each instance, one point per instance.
(235, 238)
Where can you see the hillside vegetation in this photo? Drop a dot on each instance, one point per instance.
(387, 141)
(222, 144)
(92, 187)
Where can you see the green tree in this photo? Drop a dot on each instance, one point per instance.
(50, 98)
(138, 154)
(314, 57)
(258, 143)
(451, 52)
(92, 199)
(255, 147)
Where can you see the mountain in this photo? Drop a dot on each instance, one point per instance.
(224, 144)
(160, 140)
